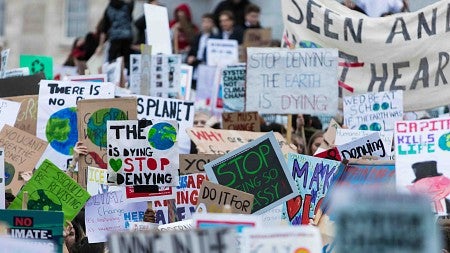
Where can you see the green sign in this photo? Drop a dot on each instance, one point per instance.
(36, 225)
(50, 189)
(38, 63)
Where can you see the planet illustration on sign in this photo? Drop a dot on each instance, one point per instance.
(44, 200)
(444, 142)
(96, 126)
(162, 136)
(61, 130)
(9, 173)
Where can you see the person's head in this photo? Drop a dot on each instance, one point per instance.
(207, 22)
(298, 141)
(314, 142)
(183, 13)
(300, 121)
(201, 118)
(252, 14)
(226, 20)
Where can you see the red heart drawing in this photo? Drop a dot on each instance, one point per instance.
(293, 207)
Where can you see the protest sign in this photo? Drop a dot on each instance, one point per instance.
(2, 178)
(221, 240)
(35, 227)
(27, 116)
(208, 85)
(20, 86)
(219, 141)
(50, 189)
(97, 182)
(257, 37)
(16, 245)
(98, 78)
(247, 121)
(216, 220)
(142, 226)
(368, 146)
(233, 85)
(292, 81)
(344, 136)
(37, 64)
(273, 217)
(215, 196)
(169, 109)
(421, 159)
(247, 169)
(375, 111)
(369, 173)
(92, 115)
(145, 69)
(165, 76)
(221, 52)
(157, 31)
(161, 208)
(22, 152)
(113, 71)
(193, 163)
(109, 212)
(57, 115)
(177, 226)
(8, 112)
(139, 193)
(384, 222)
(135, 74)
(330, 135)
(304, 239)
(17, 72)
(313, 177)
(186, 72)
(4, 54)
(142, 152)
(393, 59)
(188, 194)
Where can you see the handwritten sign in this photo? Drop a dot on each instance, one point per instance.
(57, 115)
(344, 136)
(142, 226)
(22, 152)
(193, 163)
(221, 52)
(233, 86)
(27, 116)
(109, 212)
(370, 145)
(313, 177)
(142, 152)
(37, 64)
(50, 189)
(92, 116)
(247, 121)
(248, 169)
(8, 112)
(373, 111)
(35, 227)
(169, 109)
(292, 81)
(187, 195)
(214, 197)
(177, 226)
(97, 182)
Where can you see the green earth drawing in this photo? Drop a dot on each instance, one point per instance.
(44, 200)
(61, 130)
(96, 126)
(9, 173)
(162, 136)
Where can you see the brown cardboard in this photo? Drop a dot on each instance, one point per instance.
(27, 117)
(193, 163)
(330, 135)
(256, 37)
(216, 196)
(97, 153)
(22, 152)
(247, 121)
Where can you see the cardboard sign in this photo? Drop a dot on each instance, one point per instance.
(214, 197)
(41, 227)
(330, 135)
(233, 87)
(97, 182)
(2, 178)
(157, 32)
(142, 152)
(313, 177)
(368, 146)
(248, 169)
(98, 78)
(373, 111)
(247, 121)
(50, 189)
(165, 76)
(92, 115)
(384, 223)
(135, 74)
(57, 115)
(257, 37)
(186, 72)
(109, 212)
(221, 52)
(422, 160)
(281, 239)
(169, 109)
(292, 81)
(177, 226)
(8, 112)
(193, 163)
(344, 136)
(221, 240)
(22, 152)
(27, 116)
(20, 86)
(219, 142)
(37, 64)
(188, 194)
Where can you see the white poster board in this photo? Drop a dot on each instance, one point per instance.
(221, 52)
(8, 112)
(157, 32)
(344, 136)
(233, 87)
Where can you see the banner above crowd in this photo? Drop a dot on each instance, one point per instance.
(400, 52)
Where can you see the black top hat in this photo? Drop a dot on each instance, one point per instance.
(425, 169)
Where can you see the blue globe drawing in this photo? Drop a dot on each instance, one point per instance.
(61, 130)
(162, 136)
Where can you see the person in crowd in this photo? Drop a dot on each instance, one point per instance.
(141, 26)
(75, 238)
(237, 7)
(352, 6)
(197, 52)
(229, 31)
(117, 26)
(298, 141)
(252, 16)
(75, 54)
(314, 142)
(304, 126)
(183, 29)
(78, 150)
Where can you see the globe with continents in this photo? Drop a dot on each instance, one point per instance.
(96, 126)
(162, 136)
(61, 130)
